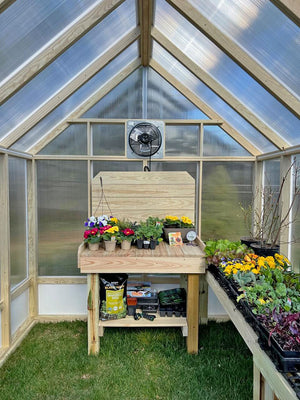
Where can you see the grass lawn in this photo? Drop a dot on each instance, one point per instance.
(133, 364)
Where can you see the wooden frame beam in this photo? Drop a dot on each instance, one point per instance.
(204, 107)
(219, 89)
(145, 11)
(56, 47)
(93, 99)
(5, 252)
(240, 56)
(291, 8)
(4, 4)
(70, 88)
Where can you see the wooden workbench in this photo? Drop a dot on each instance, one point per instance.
(187, 260)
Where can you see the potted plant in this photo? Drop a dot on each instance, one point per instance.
(126, 233)
(92, 238)
(174, 224)
(109, 236)
(266, 224)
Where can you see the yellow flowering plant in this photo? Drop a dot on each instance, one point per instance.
(172, 220)
(111, 233)
(186, 222)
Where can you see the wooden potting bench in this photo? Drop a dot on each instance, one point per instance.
(186, 259)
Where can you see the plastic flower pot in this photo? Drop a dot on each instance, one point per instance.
(146, 244)
(139, 243)
(153, 244)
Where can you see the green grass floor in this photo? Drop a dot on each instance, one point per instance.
(133, 364)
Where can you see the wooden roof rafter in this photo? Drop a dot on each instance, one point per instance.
(86, 105)
(240, 56)
(4, 4)
(145, 13)
(220, 90)
(291, 8)
(192, 97)
(56, 47)
(70, 88)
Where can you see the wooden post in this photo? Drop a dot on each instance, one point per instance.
(193, 313)
(256, 382)
(203, 300)
(32, 238)
(93, 313)
(5, 251)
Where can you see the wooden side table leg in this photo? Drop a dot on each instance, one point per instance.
(193, 313)
(93, 313)
(203, 300)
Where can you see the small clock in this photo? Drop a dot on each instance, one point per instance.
(191, 236)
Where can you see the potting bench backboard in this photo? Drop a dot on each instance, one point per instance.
(137, 195)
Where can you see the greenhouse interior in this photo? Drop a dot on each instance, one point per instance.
(200, 93)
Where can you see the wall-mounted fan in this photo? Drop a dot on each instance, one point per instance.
(145, 139)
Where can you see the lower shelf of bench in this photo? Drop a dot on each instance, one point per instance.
(159, 322)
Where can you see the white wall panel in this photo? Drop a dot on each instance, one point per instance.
(0, 330)
(19, 310)
(62, 299)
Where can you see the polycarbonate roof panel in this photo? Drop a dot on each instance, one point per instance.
(53, 78)
(77, 98)
(263, 31)
(167, 61)
(226, 72)
(28, 25)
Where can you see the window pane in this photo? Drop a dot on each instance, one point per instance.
(217, 142)
(225, 186)
(66, 67)
(164, 101)
(225, 71)
(72, 141)
(124, 101)
(182, 140)
(108, 139)
(18, 220)
(62, 209)
(27, 26)
(76, 99)
(168, 62)
(251, 24)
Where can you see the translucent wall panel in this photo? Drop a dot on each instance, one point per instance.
(225, 186)
(272, 173)
(225, 71)
(72, 141)
(182, 140)
(108, 139)
(205, 94)
(53, 78)
(28, 25)
(124, 101)
(79, 97)
(62, 209)
(116, 166)
(164, 101)
(216, 142)
(262, 30)
(295, 232)
(18, 220)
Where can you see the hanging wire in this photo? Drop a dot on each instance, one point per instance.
(102, 200)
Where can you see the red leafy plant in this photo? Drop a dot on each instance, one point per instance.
(284, 327)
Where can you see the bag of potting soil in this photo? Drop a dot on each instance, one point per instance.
(113, 288)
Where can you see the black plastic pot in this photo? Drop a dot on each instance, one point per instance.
(153, 244)
(139, 243)
(264, 251)
(146, 244)
(247, 240)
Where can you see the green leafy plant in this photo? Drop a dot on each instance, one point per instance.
(223, 249)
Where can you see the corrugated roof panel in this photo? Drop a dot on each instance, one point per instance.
(79, 97)
(263, 31)
(167, 61)
(225, 71)
(53, 78)
(28, 25)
